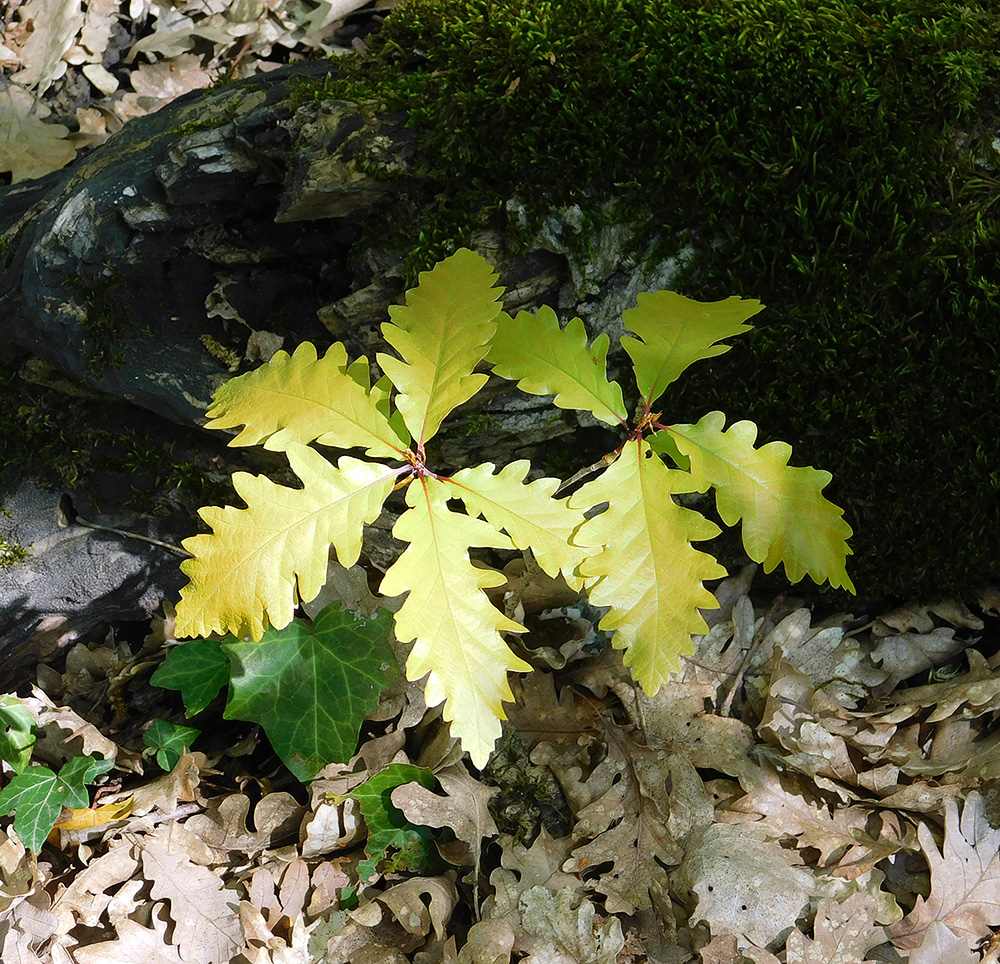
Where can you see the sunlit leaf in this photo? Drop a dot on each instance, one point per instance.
(786, 518)
(442, 333)
(310, 687)
(675, 332)
(454, 628)
(260, 561)
(302, 398)
(545, 359)
(647, 571)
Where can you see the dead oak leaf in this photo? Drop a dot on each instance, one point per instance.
(134, 943)
(88, 895)
(419, 905)
(464, 809)
(745, 884)
(783, 812)
(965, 878)
(206, 917)
(626, 825)
(276, 817)
(844, 933)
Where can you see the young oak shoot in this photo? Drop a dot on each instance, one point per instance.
(260, 561)
(634, 556)
(643, 564)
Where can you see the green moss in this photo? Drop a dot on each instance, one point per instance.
(199, 125)
(11, 553)
(63, 442)
(224, 114)
(104, 322)
(834, 159)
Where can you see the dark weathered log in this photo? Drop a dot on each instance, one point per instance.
(175, 254)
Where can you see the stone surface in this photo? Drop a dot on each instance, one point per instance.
(75, 579)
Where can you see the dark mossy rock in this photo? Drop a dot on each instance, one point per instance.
(182, 251)
(839, 161)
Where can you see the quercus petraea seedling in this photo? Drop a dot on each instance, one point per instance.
(636, 556)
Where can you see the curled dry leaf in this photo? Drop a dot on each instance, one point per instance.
(61, 733)
(224, 827)
(965, 878)
(625, 825)
(406, 902)
(135, 943)
(464, 809)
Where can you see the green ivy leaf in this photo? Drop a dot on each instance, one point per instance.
(37, 796)
(391, 837)
(199, 669)
(75, 773)
(16, 732)
(169, 740)
(311, 688)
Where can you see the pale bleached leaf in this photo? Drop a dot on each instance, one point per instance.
(965, 878)
(454, 628)
(302, 398)
(260, 561)
(442, 332)
(645, 567)
(526, 511)
(545, 359)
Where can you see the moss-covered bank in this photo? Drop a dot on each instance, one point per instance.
(837, 160)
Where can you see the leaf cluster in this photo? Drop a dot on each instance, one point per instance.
(621, 535)
(37, 794)
(308, 684)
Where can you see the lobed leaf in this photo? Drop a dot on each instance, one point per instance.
(302, 398)
(260, 561)
(199, 669)
(390, 834)
(442, 332)
(676, 331)
(37, 796)
(169, 740)
(16, 732)
(545, 359)
(527, 512)
(786, 519)
(647, 571)
(455, 628)
(310, 687)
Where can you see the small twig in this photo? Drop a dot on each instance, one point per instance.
(601, 463)
(133, 535)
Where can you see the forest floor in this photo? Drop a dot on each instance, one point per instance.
(809, 787)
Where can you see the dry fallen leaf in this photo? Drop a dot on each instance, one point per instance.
(224, 826)
(206, 925)
(745, 885)
(965, 878)
(135, 944)
(813, 824)
(625, 825)
(463, 808)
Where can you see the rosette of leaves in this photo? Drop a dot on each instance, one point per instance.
(636, 556)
